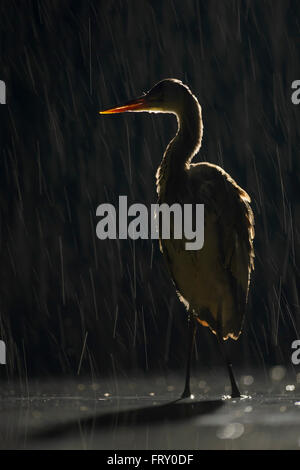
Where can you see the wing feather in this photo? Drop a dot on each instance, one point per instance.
(235, 222)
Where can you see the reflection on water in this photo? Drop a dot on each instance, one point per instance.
(143, 413)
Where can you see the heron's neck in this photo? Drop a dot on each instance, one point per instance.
(182, 148)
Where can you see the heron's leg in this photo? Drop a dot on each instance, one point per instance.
(235, 393)
(192, 334)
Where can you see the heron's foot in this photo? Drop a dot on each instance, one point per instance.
(186, 393)
(236, 394)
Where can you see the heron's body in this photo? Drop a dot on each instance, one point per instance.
(212, 282)
(215, 278)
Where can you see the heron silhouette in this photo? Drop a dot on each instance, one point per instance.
(213, 283)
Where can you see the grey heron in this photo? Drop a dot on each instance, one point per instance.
(213, 283)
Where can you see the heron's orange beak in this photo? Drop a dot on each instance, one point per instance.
(133, 105)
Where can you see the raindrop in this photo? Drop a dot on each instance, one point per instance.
(202, 384)
(95, 387)
(290, 388)
(277, 373)
(231, 431)
(248, 380)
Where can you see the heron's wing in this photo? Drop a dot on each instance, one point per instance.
(235, 222)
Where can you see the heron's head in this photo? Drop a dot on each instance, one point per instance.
(167, 96)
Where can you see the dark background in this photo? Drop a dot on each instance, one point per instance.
(60, 287)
